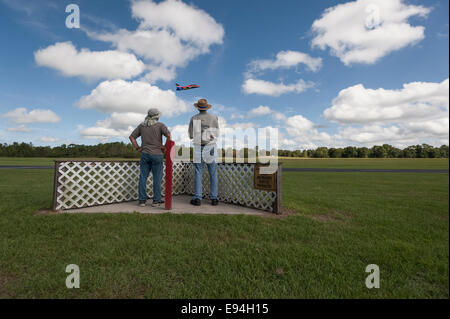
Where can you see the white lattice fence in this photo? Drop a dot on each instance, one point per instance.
(235, 186)
(89, 183)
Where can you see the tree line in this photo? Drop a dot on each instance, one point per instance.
(122, 150)
(377, 151)
(105, 150)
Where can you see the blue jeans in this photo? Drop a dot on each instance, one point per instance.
(155, 164)
(200, 158)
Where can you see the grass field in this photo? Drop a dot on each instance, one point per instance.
(339, 223)
(369, 163)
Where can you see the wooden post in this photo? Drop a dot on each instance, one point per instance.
(170, 154)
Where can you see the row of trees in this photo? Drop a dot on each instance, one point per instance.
(122, 150)
(383, 151)
(118, 149)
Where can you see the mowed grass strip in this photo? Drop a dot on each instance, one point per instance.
(367, 163)
(343, 222)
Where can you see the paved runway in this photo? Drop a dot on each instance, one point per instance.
(321, 170)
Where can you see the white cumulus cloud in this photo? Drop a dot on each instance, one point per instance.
(287, 59)
(304, 133)
(180, 134)
(433, 132)
(127, 103)
(186, 21)
(122, 120)
(116, 125)
(436, 127)
(22, 116)
(20, 128)
(136, 97)
(103, 133)
(170, 34)
(265, 110)
(416, 101)
(90, 65)
(262, 87)
(417, 113)
(260, 110)
(374, 134)
(283, 60)
(364, 31)
(298, 124)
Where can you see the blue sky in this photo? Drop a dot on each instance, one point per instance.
(331, 73)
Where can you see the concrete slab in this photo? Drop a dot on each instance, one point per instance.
(180, 205)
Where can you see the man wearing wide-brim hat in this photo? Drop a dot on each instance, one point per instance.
(204, 131)
(151, 132)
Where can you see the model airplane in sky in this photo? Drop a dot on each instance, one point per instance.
(187, 87)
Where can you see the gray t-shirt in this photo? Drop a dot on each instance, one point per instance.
(206, 122)
(151, 137)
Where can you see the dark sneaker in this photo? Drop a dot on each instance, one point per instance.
(196, 202)
(214, 202)
(157, 203)
(142, 203)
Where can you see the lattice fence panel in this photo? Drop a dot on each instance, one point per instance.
(235, 186)
(83, 184)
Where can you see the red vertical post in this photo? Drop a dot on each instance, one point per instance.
(170, 154)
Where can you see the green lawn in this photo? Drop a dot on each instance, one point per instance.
(368, 163)
(342, 223)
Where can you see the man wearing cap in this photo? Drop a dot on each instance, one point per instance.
(204, 130)
(151, 132)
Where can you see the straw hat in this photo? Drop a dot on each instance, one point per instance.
(202, 105)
